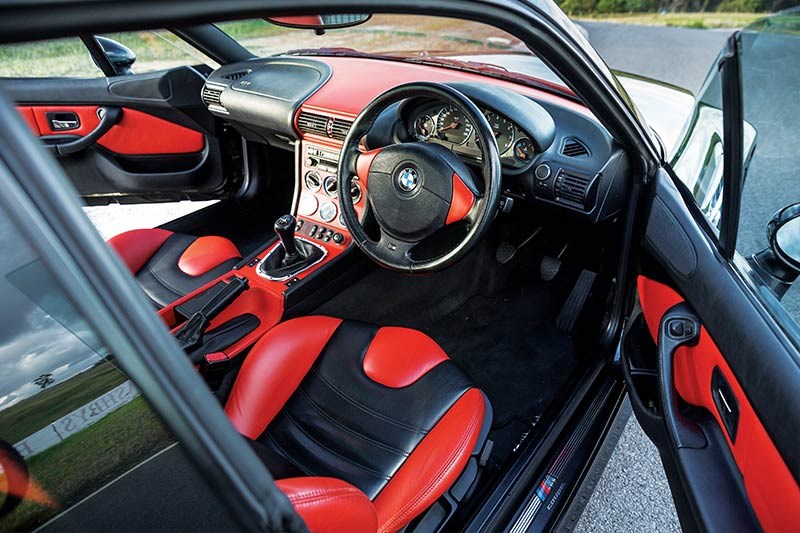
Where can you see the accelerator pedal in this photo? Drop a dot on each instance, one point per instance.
(572, 308)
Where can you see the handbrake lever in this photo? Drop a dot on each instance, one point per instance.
(190, 335)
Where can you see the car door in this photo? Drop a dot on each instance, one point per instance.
(713, 359)
(132, 126)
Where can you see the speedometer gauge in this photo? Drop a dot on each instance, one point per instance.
(453, 126)
(424, 127)
(503, 130)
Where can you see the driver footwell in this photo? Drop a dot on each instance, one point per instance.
(496, 321)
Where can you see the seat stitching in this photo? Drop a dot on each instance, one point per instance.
(409, 507)
(283, 453)
(318, 408)
(376, 473)
(163, 282)
(416, 429)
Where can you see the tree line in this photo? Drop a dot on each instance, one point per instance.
(588, 7)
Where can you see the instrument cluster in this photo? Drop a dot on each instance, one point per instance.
(447, 125)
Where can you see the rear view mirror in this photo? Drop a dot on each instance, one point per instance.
(779, 264)
(320, 23)
(118, 54)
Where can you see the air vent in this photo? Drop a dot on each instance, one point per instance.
(212, 96)
(572, 188)
(312, 123)
(233, 76)
(574, 148)
(335, 128)
(339, 128)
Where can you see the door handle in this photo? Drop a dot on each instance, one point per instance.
(63, 120)
(109, 116)
(678, 327)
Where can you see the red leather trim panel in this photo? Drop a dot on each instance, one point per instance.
(772, 490)
(397, 357)
(30, 118)
(137, 246)
(137, 133)
(329, 505)
(206, 253)
(434, 465)
(461, 202)
(274, 369)
(364, 163)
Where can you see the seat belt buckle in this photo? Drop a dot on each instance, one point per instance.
(213, 367)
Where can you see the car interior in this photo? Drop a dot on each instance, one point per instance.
(410, 267)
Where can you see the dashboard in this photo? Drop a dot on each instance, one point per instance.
(554, 152)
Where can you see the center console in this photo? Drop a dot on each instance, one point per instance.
(306, 261)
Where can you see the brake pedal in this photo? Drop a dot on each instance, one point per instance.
(550, 266)
(506, 251)
(573, 306)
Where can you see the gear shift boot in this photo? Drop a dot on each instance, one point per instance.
(292, 255)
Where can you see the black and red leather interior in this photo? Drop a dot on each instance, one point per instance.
(365, 427)
(170, 265)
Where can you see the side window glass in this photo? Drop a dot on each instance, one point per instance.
(770, 74)
(149, 51)
(698, 158)
(55, 58)
(70, 420)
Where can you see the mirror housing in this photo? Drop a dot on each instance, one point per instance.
(118, 54)
(778, 265)
(320, 23)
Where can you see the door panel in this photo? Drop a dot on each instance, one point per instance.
(165, 146)
(757, 366)
(771, 489)
(137, 133)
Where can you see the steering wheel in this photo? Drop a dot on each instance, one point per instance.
(416, 189)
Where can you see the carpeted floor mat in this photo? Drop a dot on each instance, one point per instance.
(510, 347)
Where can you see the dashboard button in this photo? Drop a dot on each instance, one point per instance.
(338, 238)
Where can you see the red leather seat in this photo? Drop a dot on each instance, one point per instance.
(170, 265)
(363, 427)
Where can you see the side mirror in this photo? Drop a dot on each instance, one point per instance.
(779, 264)
(118, 54)
(320, 23)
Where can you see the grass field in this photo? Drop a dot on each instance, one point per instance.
(683, 20)
(32, 414)
(87, 460)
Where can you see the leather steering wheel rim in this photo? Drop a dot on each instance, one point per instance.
(393, 253)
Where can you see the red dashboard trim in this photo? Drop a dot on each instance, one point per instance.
(348, 91)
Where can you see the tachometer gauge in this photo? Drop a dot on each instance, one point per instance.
(523, 150)
(503, 130)
(453, 126)
(424, 127)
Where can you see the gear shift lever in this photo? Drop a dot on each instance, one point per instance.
(284, 228)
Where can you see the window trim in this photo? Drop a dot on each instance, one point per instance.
(733, 145)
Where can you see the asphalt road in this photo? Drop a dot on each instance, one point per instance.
(632, 494)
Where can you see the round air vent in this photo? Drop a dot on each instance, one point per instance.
(313, 182)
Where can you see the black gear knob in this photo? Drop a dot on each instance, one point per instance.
(284, 229)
